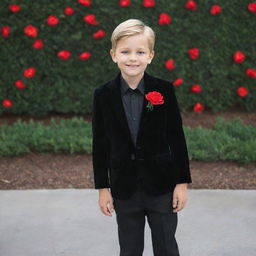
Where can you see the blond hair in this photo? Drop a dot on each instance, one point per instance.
(132, 27)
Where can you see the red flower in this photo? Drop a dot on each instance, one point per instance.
(215, 9)
(29, 72)
(242, 91)
(31, 31)
(250, 72)
(124, 3)
(169, 64)
(7, 103)
(154, 98)
(85, 55)
(178, 82)
(90, 19)
(38, 44)
(238, 57)
(196, 88)
(193, 53)
(149, 3)
(5, 31)
(100, 33)
(14, 7)
(69, 11)
(191, 5)
(19, 84)
(52, 20)
(252, 7)
(85, 2)
(64, 55)
(164, 19)
(198, 107)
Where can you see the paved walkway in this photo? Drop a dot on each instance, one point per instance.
(68, 222)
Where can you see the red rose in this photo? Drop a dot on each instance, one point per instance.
(252, 7)
(238, 57)
(169, 64)
(86, 3)
(149, 3)
(164, 19)
(124, 3)
(154, 98)
(7, 103)
(19, 84)
(191, 5)
(31, 31)
(178, 82)
(100, 33)
(14, 7)
(90, 19)
(63, 55)
(196, 88)
(250, 72)
(198, 107)
(193, 53)
(38, 44)
(5, 31)
(85, 55)
(52, 20)
(215, 9)
(242, 91)
(29, 72)
(69, 11)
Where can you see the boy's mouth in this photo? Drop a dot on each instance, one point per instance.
(132, 66)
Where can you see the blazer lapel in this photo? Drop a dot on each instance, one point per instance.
(150, 85)
(118, 108)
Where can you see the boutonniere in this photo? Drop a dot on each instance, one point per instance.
(154, 98)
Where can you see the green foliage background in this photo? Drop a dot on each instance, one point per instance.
(67, 86)
(231, 141)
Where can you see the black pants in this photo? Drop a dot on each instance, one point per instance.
(130, 217)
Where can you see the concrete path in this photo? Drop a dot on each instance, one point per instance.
(68, 222)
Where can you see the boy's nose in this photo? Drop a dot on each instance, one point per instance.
(133, 56)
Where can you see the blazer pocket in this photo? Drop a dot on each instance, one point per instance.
(163, 158)
(116, 163)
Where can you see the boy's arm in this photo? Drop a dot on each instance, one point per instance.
(100, 145)
(176, 138)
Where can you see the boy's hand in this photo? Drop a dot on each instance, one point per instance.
(106, 201)
(179, 197)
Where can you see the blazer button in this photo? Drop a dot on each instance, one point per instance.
(132, 156)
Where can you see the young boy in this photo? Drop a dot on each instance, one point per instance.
(139, 148)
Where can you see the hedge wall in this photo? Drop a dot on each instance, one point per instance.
(229, 141)
(66, 86)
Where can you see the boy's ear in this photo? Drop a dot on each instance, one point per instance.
(151, 56)
(112, 53)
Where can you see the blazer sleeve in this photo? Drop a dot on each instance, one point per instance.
(176, 138)
(100, 144)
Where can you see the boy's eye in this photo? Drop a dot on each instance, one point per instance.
(140, 52)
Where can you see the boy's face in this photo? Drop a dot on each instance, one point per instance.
(132, 56)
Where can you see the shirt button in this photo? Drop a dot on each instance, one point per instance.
(133, 118)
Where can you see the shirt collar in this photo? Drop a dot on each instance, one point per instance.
(125, 86)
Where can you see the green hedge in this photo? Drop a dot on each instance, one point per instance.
(67, 86)
(232, 141)
(63, 136)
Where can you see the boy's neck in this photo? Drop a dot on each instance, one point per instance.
(132, 82)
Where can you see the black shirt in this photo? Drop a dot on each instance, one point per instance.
(132, 102)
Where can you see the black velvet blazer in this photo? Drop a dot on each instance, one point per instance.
(159, 158)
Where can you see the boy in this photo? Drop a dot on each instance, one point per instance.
(139, 148)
